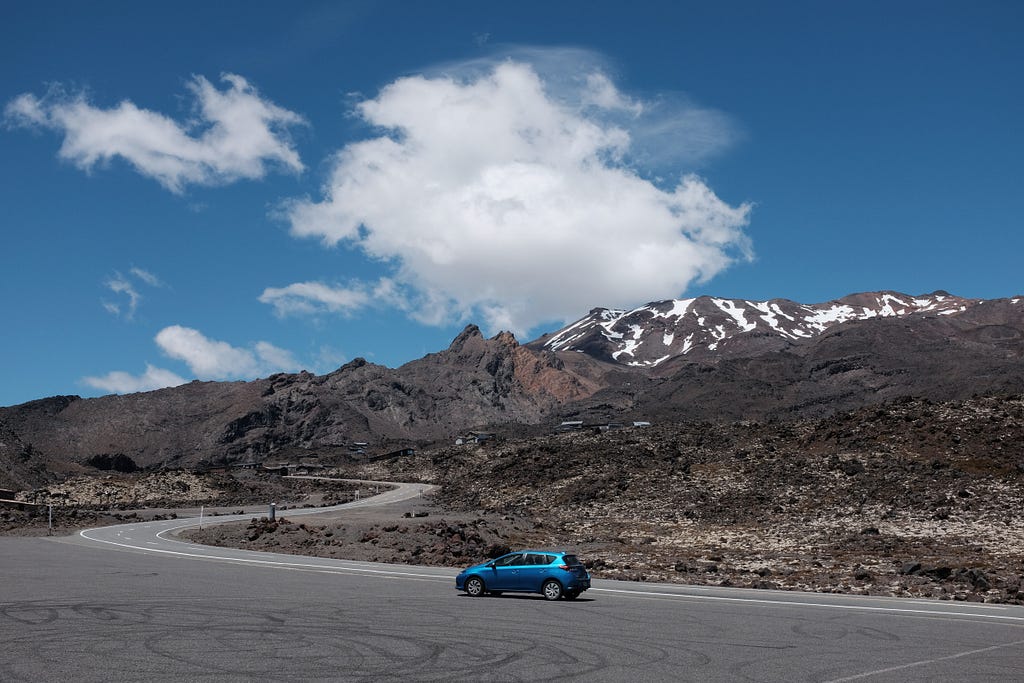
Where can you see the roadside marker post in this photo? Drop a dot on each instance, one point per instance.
(273, 511)
(49, 531)
(202, 508)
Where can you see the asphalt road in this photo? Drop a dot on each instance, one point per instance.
(131, 603)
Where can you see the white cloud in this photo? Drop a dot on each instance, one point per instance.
(510, 191)
(212, 359)
(236, 134)
(310, 297)
(316, 297)
(602, 93)
(123, 285)
(118, 382)
(207, 358)
(147, 277)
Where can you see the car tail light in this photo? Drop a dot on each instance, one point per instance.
(564, 567)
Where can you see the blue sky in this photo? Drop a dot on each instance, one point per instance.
(226, 190)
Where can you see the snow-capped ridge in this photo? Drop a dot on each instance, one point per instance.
(652, 334)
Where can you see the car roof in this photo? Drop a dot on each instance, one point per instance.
(540, 550)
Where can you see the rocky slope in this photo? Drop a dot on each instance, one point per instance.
(907, 498)
(476, 381)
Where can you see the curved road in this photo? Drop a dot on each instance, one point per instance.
(162, 609)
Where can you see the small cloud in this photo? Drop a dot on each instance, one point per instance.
(126, 286)
(601, 92)
(274, 358)
(207, 358)
(212, 359)
(118, 382)
(147, 277)
(307, 298)
(236, 134)
(480, 39)
(121, 285)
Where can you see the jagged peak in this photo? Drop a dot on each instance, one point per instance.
(506, 338)
(470, 332)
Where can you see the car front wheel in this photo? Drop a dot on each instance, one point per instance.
(474, 587)
(552, 590)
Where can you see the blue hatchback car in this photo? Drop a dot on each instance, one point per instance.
(553, 574)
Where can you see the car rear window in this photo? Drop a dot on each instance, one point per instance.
(536, 558)
(571, 560)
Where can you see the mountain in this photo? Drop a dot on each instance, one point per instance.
(699, 359)
(476, 382)
(707, 328)
(721, 359)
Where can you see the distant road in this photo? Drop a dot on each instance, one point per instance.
(160, 609)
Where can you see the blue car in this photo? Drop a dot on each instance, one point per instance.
(553, 574)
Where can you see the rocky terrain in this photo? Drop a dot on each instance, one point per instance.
(911, 498)
(705, 359)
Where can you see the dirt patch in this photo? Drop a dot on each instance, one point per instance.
(416, 532)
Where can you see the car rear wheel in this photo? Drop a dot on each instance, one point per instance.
(474, 587)
(552, 590)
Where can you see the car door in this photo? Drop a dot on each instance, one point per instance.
(535, 571)
(505, 573)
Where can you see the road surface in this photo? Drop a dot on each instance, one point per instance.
(131, 603)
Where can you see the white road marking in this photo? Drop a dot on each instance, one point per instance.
(270, 563)
(795, 603)
(924, 662)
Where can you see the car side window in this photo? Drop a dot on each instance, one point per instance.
(509, 560)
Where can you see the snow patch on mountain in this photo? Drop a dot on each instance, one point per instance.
(707, 325)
